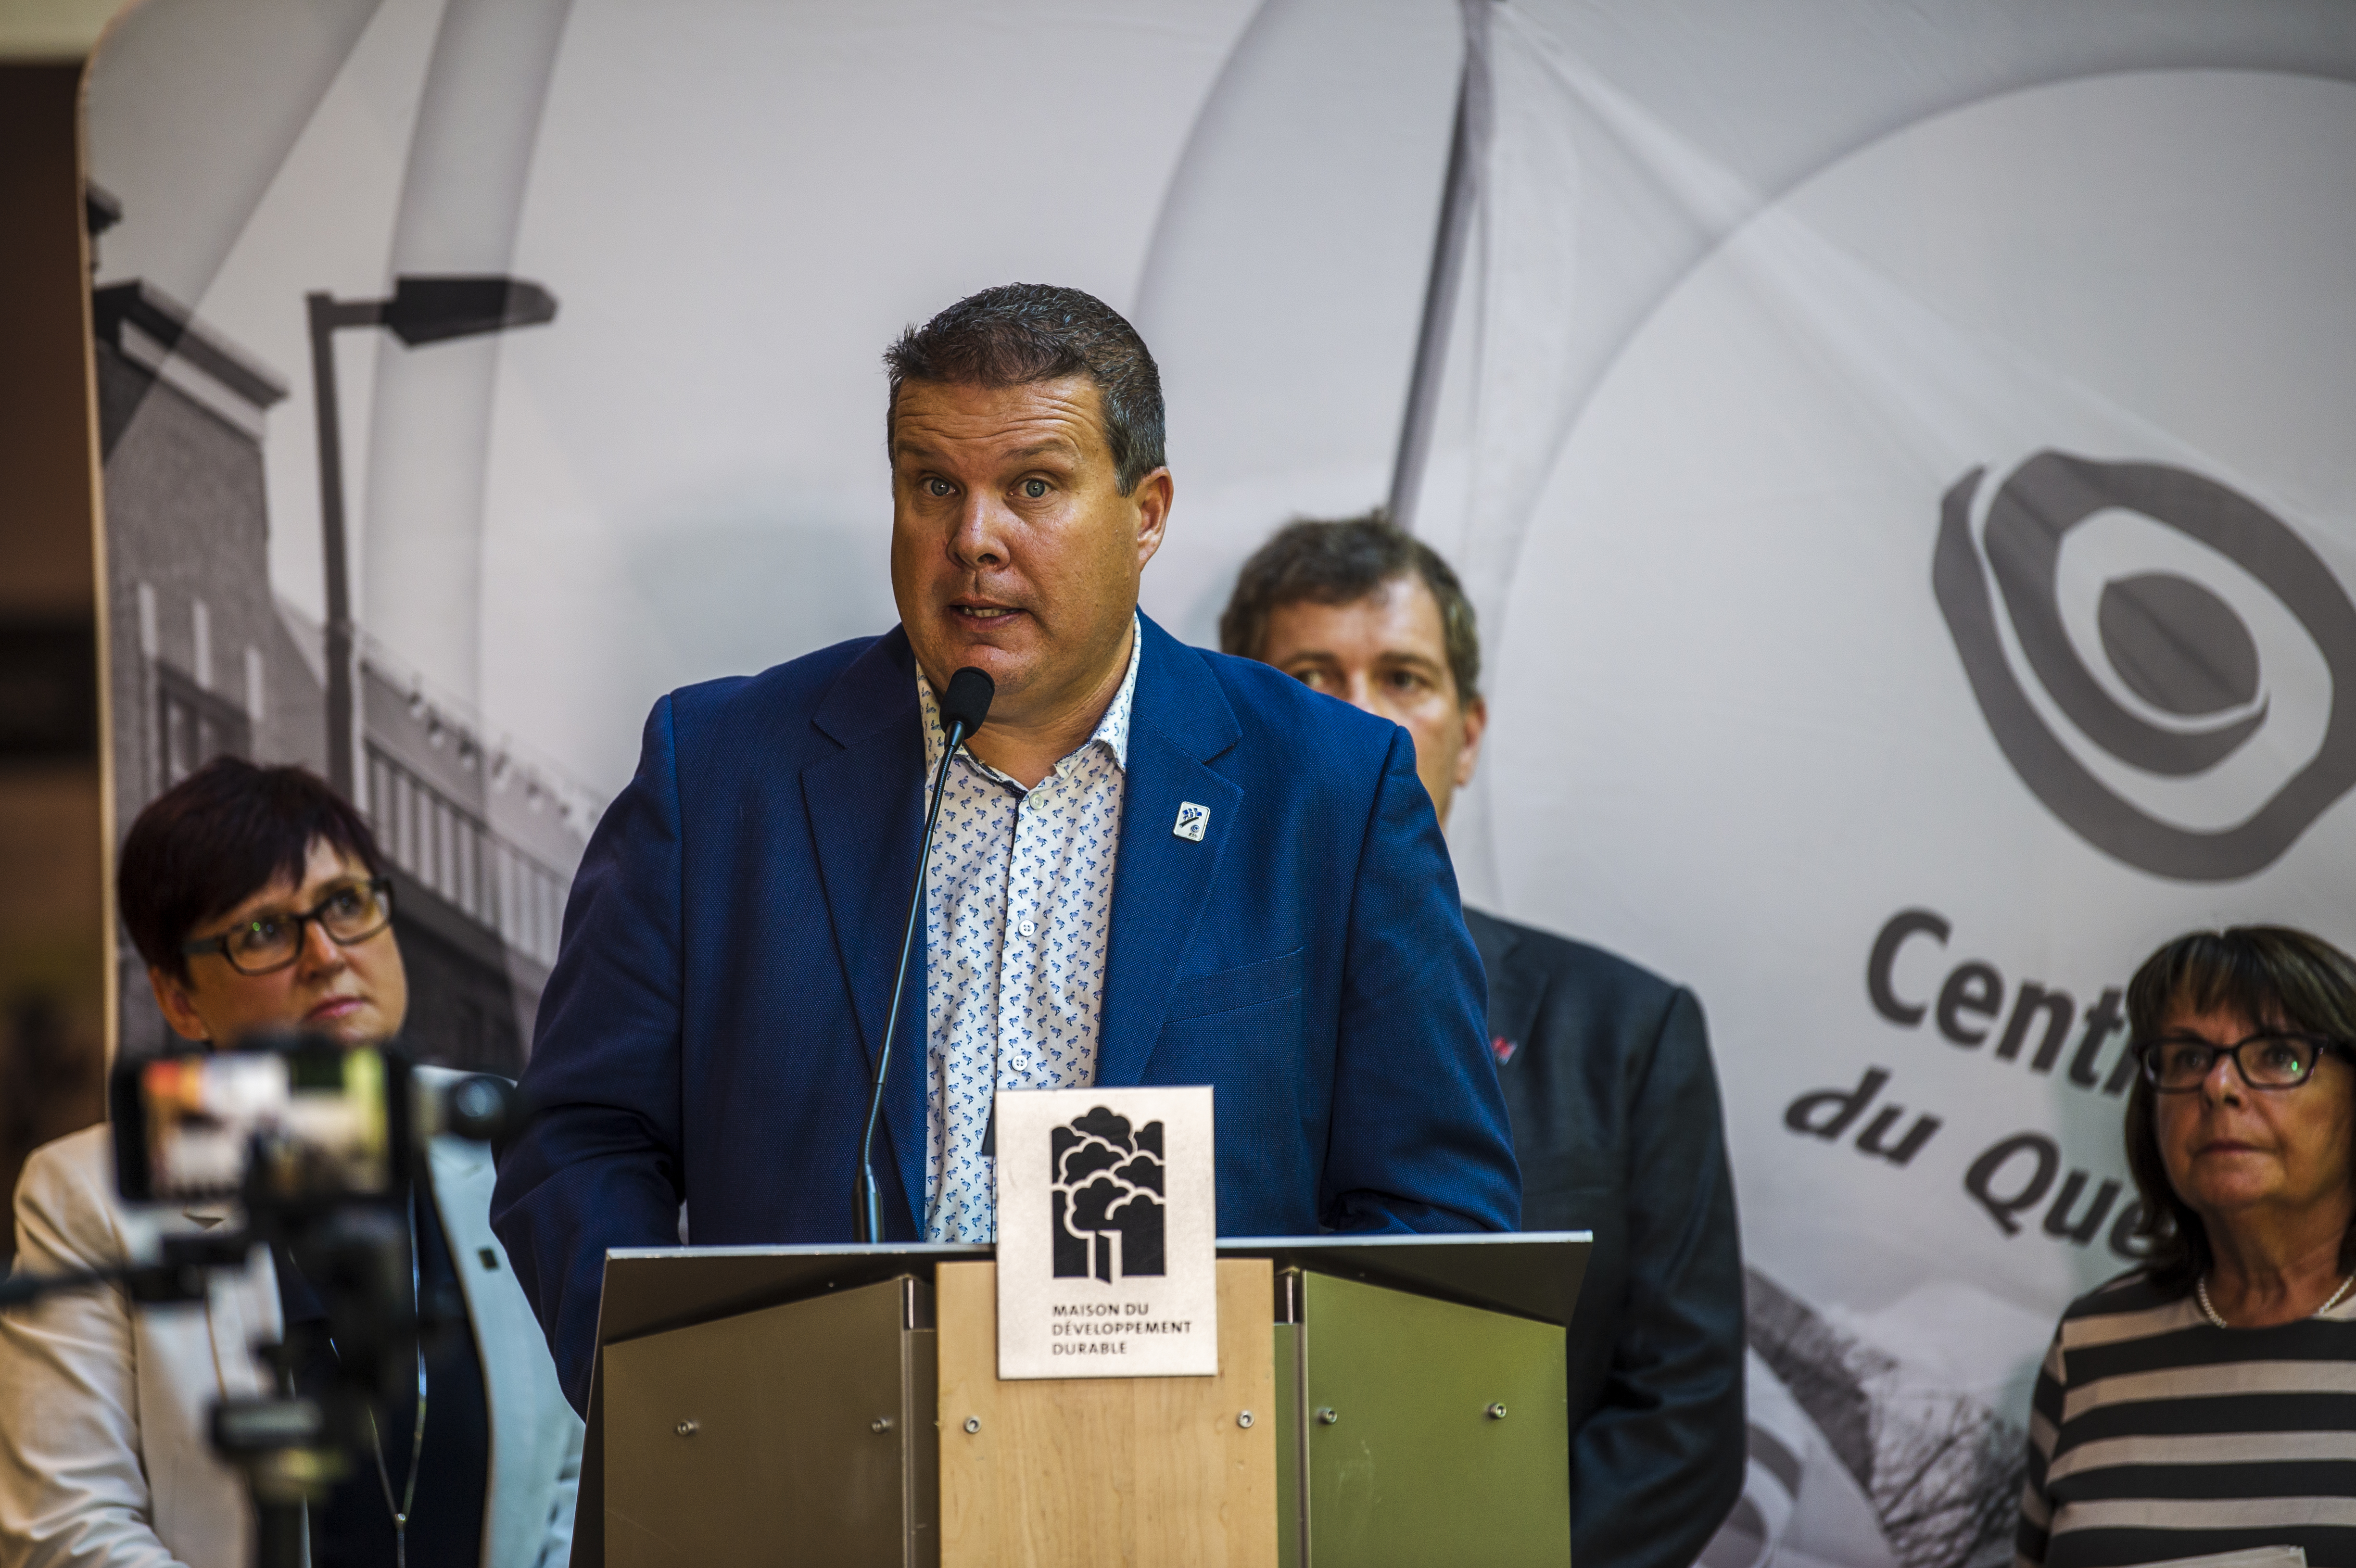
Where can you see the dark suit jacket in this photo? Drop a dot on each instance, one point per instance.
(1607, 1078)
(728, 949)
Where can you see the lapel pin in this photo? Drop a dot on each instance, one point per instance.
(1191, 820)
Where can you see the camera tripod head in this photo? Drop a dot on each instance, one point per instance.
(323, 1146)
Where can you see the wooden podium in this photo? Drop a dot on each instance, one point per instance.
(1379, 1400)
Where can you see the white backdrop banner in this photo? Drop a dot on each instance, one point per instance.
(1937, 601)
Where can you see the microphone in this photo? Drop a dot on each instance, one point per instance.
(963, 708)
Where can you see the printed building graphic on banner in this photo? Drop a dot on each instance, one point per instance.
(207, 661)
(1108, 1215)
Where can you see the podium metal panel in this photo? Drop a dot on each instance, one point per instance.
(652, 1288)
(793, 1434)
(1530, 1274)
(1422, 1431)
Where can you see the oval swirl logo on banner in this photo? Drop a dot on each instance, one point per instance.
(2179, 648)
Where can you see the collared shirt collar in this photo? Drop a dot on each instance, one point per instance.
(1111, 731)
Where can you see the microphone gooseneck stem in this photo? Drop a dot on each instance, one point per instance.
(870, 1197)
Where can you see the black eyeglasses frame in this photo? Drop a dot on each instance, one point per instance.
(2324, 1045)
(380, 886)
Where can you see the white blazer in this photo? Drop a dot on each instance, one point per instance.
(105, 1454)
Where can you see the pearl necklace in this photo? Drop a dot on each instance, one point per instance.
(2201, 1290)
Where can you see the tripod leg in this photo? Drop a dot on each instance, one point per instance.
(278, 1535)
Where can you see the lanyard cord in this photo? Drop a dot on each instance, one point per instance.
(400, 1515)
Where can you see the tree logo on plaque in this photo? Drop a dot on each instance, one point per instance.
(1107, 1195)
(1107, 1224)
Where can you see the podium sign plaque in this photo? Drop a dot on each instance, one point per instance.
(1108, 1217)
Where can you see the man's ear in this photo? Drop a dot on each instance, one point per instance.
(1153, 495)
(1476, 722)
(179, 1009)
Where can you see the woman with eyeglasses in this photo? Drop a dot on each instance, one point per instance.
(2206, 1402)
(258, 899)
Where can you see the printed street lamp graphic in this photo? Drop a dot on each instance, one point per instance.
(2175, 644)
(1107, 1196)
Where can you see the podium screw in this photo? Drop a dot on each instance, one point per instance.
(881, 1423)
(1496, 1412)
(1328, 1415)
(972, 1423)
(1245, 1419)
(685, 1429)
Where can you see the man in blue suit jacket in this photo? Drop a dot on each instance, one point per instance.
(708, 1033)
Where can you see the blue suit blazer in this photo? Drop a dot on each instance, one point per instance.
(708, 1030)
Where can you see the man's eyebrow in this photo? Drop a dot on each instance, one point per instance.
(922, 453)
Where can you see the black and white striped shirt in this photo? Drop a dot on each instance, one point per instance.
(2156, 1436)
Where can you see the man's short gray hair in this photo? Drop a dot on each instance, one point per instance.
(1019, 333)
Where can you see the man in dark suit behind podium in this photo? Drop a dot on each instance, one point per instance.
(1605, 1068)
(1156, 865)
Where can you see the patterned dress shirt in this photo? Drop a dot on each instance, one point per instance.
(1017, 912)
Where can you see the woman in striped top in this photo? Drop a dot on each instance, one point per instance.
(2206, 1402)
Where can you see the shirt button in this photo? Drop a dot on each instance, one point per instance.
(1029, 928)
